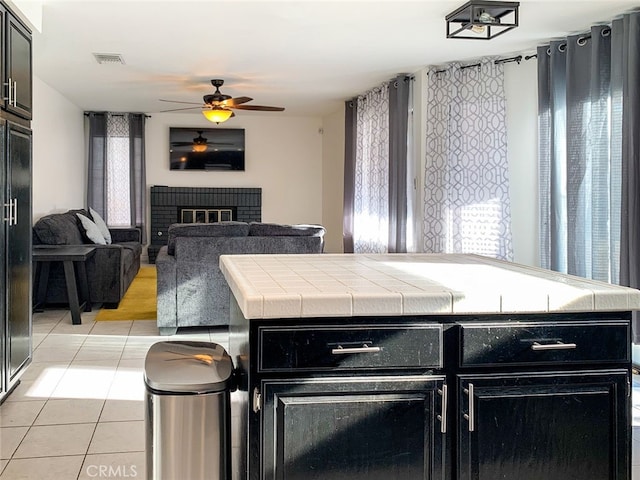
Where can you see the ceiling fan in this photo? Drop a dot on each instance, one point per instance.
(218, 107)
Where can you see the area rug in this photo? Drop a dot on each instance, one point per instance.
(139, 302)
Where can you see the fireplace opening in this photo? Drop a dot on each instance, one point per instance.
(206, 214)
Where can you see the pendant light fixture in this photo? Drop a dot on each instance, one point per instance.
(217, 114)
(482, 19)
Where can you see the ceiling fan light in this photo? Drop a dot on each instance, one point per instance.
(217, 114)
(199, 148)
(199, 143)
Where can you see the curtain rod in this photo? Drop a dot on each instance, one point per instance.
(86, 114)
(582, 40)
(517, 58)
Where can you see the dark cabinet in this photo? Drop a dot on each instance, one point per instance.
(16, 195)
(528, 397)
(18, 246)
(16, 65)
(372, 428)
(554, 426)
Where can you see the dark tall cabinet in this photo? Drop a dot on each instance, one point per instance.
(16, 191)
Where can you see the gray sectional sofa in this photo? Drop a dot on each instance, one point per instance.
(110, 270)
(191, 289)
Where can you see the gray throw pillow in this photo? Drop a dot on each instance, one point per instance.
(101, 224)
(91, 230)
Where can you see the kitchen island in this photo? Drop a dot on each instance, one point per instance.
(418, 366)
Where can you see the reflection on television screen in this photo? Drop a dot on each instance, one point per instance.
(209, 149)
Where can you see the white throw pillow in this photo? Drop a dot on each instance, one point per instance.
(91, 230)
(102, 226)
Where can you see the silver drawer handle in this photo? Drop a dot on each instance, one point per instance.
(470, 417)
(443, 415)
(363, 349)
(553, 346)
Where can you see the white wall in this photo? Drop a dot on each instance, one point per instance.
(283, 157)
(333, 180)
(521, 87)
(59, 173)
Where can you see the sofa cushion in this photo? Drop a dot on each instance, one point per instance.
(134, 247)
(60, 228)
(91, 230)
(257, 229)
(220, 229)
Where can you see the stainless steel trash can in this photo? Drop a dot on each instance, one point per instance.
(187, 411)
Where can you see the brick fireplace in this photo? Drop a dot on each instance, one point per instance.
(199, 204)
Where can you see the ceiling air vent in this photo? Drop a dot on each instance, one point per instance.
(109, 58)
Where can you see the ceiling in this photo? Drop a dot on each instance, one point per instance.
(306, 56)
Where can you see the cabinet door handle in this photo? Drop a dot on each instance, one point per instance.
(15, 211)
(10, 98)
(9, 206)
(15, 94)
(443, 413)
(257, 400)
(363, 349)
(553, 346)
(471, 416)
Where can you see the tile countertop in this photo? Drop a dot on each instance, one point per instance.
(345, 285)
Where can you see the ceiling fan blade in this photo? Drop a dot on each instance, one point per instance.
(178, 109)
(235, 101)
(177, 101)
(261, 108)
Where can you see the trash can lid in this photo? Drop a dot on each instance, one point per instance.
(188, 367)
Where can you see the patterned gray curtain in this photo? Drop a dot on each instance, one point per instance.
(371, 192)
(466, 198)
(116, 183)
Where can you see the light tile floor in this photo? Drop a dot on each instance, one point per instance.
(78, 412)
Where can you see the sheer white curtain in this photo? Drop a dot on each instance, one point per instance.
(371, 192)
(466, 190)
(118, 178)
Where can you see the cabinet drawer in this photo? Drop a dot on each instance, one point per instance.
(540, 343)
(346, 348)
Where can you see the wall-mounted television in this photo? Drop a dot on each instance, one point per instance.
(212, 149)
